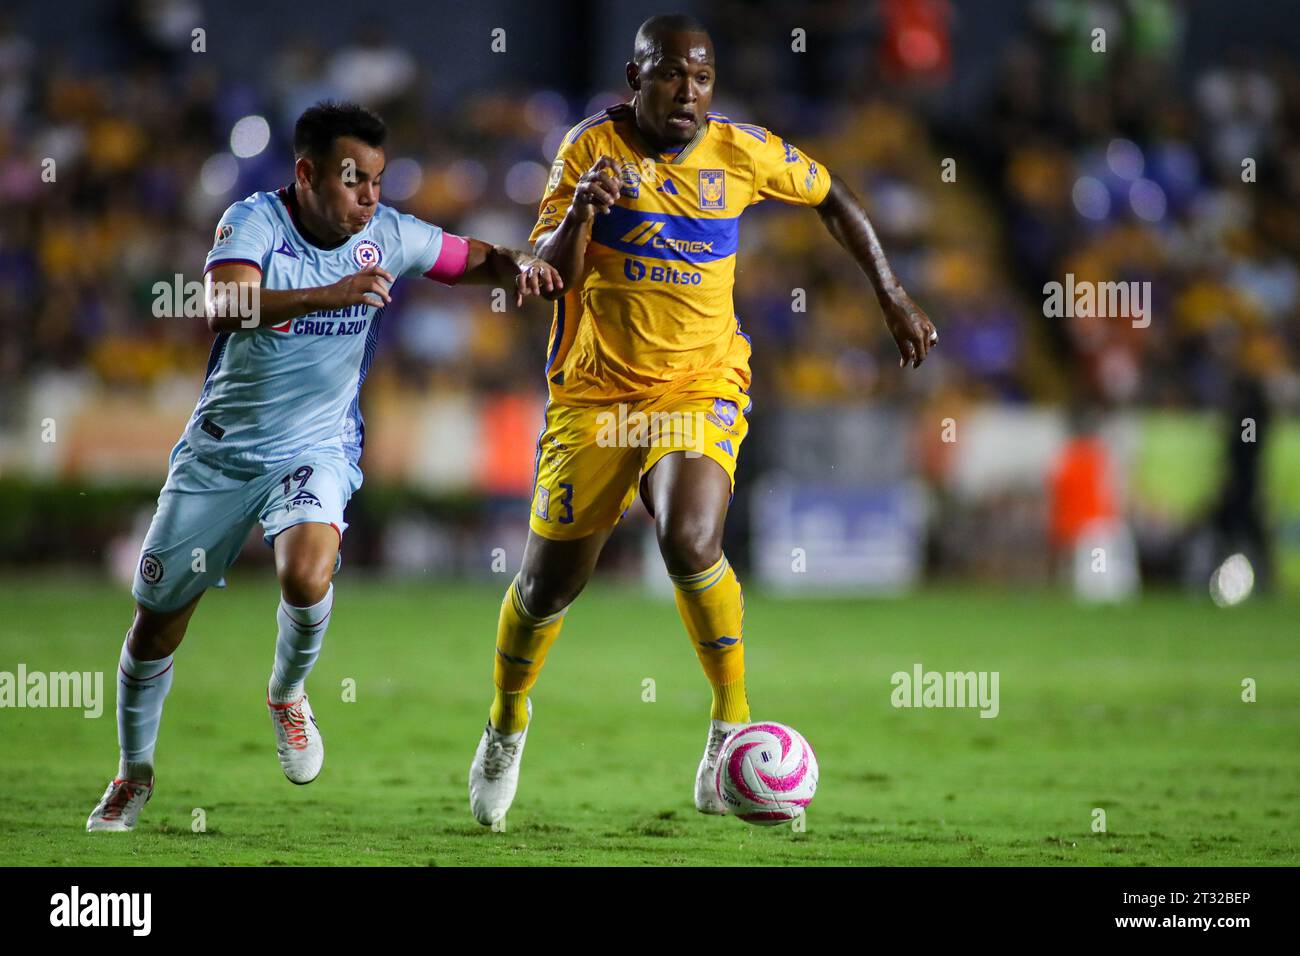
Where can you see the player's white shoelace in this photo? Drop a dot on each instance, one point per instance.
(499, 756)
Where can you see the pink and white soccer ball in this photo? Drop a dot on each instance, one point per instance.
(767, 773)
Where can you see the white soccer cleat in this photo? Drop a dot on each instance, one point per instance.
(706, 791)
(298, 741)
(120, 806)
(494, 774)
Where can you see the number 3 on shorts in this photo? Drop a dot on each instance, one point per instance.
(567, 503)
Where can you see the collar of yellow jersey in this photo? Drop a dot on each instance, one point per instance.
(681, 154)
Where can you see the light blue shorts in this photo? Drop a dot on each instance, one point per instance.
(204, 516)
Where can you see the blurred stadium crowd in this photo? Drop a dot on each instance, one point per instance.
(1106, 166)
(1127, 165)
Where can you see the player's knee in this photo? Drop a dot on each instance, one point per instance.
(154, 635)
(689, 546)
(305, 583)
(543, 597)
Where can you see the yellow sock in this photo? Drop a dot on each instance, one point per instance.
(522, 643)
(713, 609)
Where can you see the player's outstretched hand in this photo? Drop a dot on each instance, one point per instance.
(367, 287)
(536, 277)
(913, 332)
(597, 190)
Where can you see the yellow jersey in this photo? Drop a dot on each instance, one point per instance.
(652, 312)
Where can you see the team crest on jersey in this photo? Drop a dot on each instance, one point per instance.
(631, 177)
(366, 254)
(713, 189)
(224, 234)
(151, 567)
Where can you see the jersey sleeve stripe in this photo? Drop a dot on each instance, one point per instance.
(590, 122)
(757, 132)
(225, 262)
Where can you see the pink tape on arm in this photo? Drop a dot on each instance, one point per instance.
(452, 259)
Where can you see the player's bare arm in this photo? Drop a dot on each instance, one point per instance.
(847, 221)
(230, 290)
(498, 265)
(565, 247)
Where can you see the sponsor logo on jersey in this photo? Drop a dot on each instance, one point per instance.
(667, 187)
(151, 567)
(642, 232)
(224, 235)
(286, 250)
(791, 154)
(724, 411)
(323, 327)
(811, 179)
(366, 254)
(692, 238)
(636, 270)
(713, 189)
(648, 232)
(631, 177)
(303, 499)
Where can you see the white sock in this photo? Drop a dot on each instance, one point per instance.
(142, 687)
(302, 632)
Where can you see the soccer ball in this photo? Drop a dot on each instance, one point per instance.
(767, 773)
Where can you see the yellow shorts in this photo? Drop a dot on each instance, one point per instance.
(590, 458)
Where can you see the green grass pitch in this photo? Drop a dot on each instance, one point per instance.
(1135, 710)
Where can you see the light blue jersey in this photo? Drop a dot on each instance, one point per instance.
(277, 432)
(272, 392)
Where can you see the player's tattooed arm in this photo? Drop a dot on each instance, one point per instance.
(847, 221)
(236, 302)
(565, 247)
(500, 266)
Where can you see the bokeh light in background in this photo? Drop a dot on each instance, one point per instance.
(525, 182)
(1147, 200)
(250, 136)
(219, 174)
(402, 179)
(1091, 198)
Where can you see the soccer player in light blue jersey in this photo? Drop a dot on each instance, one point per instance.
(296, 287)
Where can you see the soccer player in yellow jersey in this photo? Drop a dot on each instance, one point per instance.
(648, 370)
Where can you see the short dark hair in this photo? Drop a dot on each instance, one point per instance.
(320, 125)
(652, 32)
